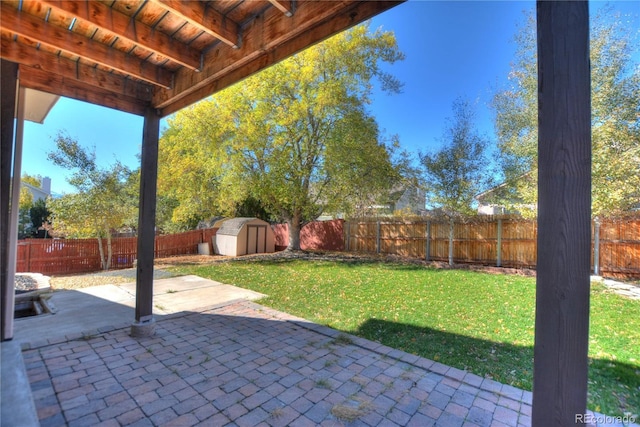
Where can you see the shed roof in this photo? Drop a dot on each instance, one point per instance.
(232, 227)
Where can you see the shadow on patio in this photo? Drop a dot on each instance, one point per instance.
(247, 365)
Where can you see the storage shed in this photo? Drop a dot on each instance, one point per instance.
(242, 236)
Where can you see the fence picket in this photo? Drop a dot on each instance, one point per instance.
(502, 241)
(71, 256)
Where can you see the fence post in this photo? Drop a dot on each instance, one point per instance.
(499, 244)
(378, 237)
(451, 241)
(428, 243)
(28, 257)
(347, 235)
(596, 247)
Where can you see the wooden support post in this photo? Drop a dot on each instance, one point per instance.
(144, 324)
(378, 237)
(564, 211)
(8, 88)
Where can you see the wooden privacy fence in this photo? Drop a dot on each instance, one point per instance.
(501, 241)
(69, 256)
(314, 236)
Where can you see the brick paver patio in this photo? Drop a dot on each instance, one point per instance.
(246, 365)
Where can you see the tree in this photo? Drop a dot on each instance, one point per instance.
(25, 203)
(295, 138)
(40, 214)
(615, 86)
(101, 203)
(459, 170)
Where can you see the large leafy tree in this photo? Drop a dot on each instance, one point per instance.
(102, 202)
(615, 86)
(296, 138)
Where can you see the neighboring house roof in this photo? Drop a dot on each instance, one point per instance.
(494, 201)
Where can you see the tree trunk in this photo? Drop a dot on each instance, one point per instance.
(109, 251)
(101, 251)
(294, 232)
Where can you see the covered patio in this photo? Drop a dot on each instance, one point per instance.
(236, 362)
(153, 58)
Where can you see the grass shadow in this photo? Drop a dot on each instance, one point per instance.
(617, 392)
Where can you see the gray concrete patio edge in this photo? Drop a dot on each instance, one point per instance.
(16, 402)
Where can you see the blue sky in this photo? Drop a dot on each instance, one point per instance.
(453, 49)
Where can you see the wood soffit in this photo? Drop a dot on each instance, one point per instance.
(165, 54)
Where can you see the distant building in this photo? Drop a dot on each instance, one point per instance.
(39, 193)
(501, 200)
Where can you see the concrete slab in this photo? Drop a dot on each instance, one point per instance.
(201, 298)
(17, 407)
(96, 309)
(173, 284)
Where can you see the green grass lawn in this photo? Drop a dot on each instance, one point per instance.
(480, 322)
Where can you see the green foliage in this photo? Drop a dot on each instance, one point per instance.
(39, 214)
(25, 202)
(615, 89)
(104, 200)
(296, 138)
(35, 180)
(459, 170)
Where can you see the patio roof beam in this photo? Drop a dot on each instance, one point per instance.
(60, 85)
(75, 44)
(283, 6)
(30, 57)
(564, 214)
(128, 28)
(266, 40)
(207, 19)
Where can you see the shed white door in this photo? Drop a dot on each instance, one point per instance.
(256, 239)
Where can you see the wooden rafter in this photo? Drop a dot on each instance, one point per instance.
(129, 29)
(269, 38)
(206, 18)
(284, 6)
(76, 44)
(165, 54)
(29, 56)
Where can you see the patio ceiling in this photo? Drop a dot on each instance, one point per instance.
(165, 54)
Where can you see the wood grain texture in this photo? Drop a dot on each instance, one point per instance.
(76, 44)
(147, 214)
(205, 18)
(129, 29)
(564, 211)
(269, 38)
(58, 65)
(75, 89)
